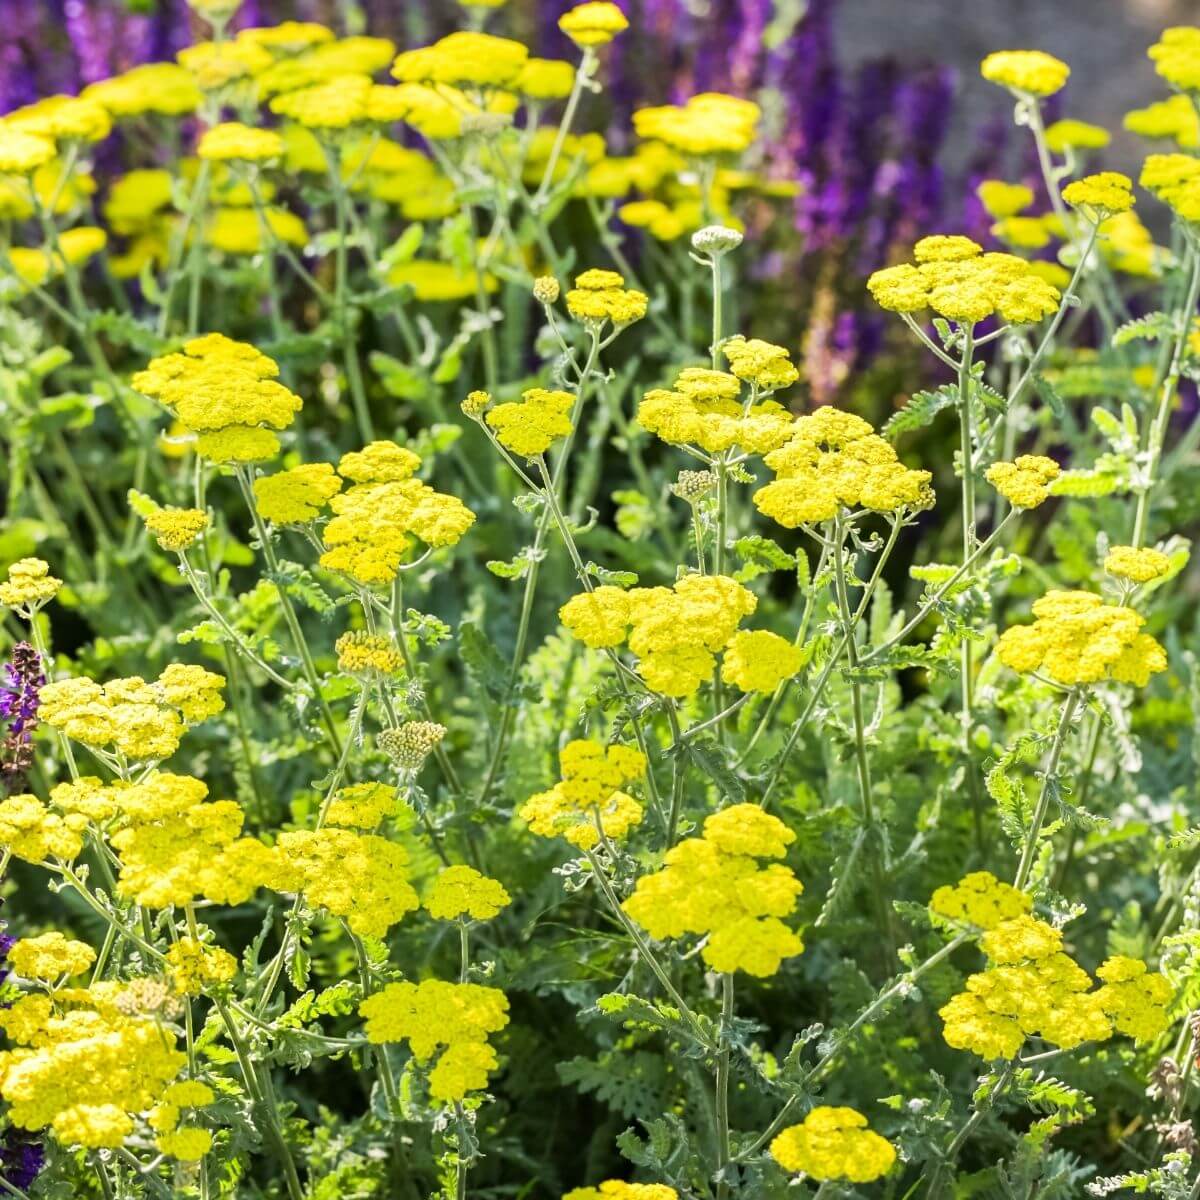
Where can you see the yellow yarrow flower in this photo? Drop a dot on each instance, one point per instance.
(461, 891)
(29, 586)
(980, 899)
(533, 424)
(194, 967)
(1100, 196)
(50, 957)
(362, 653)
(600, 296)
(595, 23)
(1069, 134)
(1137, 564)
(834, 1144)
(617, 1189)
(1027, 72)
(163, 88)
(1176, 57)
(298, 495)
(1001, 199)
(362, 805)
(759, 661)
(176, 528)
(231, 141)
(1024, 482)
(464, 59)
(1174, 118)
(708, 124)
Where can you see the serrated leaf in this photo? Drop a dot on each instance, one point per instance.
(921, 409)
(1149, 328)
(760, 555)
(621, 579)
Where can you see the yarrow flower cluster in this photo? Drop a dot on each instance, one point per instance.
(1024, 483)
(834, 1144)
(1076, 639)
(450, 1020)
(29, 586)
(954, 277)
(834, 461)
(599, 296)
(461, 892)
(712, 886)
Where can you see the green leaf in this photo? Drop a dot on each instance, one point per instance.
(713, 760)
(517, 567)
(760, 555)
(921, 409)
(621, 579)
(1149, 328)
(483, 661)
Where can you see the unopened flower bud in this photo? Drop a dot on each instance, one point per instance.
(694, 485)
(410, 744)
(716, 240)
(545, 289)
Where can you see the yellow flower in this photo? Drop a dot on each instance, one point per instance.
(834, 1144)
(1176, 57)
(1173, 118)
(188, 1143)
(980, 899)
(767, 366)
(1023, 483)
(1133, 999)
(593, 24)
(50, 957)
(362, 653)
(1069, 134)
(231, 141)
(708, 124)
(602, 296)
(464, 59)
(1100, 196)
(533, 424)
(62, 118)
(462, 892)
(617, 1189)
(379, 462)
(176, 528)
(760, 661)
(1139, 565)
(298, 495)
(33, 833)
(1032, 72)
(29, 586)
(437, 281)
(362, 805)
(195, 966)
(162, 88)
(545, 79)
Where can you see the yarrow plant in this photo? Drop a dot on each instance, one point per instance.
(477, 723)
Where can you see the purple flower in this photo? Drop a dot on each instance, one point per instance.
(21, 1158)
(19, 683)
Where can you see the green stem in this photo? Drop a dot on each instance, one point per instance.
(722, 1084)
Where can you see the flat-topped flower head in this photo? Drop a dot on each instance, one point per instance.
(176, 528)
(21, 153)
(231, 141)
(1025, 72)
(63, 118)
(1175, 180)
(595, 23)
(1176, 57)
(1001, 199)
(410, 744)
(50, 957)
(1069, 134)
(29, 586)
(764, 364)
(707, 125)
(979, 899)
(464, 59)
(617, 1189)
(1137, 564)
(1100, 196)
(834, 1144)
(368, 654)
(298, 495)
(459, 892)
(600, 296)
(759, 661)
(1025, 482)
(1077, 639)
(531, 425)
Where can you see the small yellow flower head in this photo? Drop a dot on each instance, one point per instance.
(34, 833)
(1139, 565)
(463, 892)
(600, 296)
(410, 744)
(438, 281)
(1023, 233)
(546, 289)
(63, 118)
(901, 289)
(164, 88)
(746, 829)
(1100, 196)
(176, 528)
(189, 1093)
(1174, 118)
(761, 363)
(1001, 199)
(533, 424)
(616, 1189)
(433, 1015)
(1026, 72)
(367, 654)
(1176, 57)
(707, 125)
(760, 661)
(979, 899)
(193, 690)
(464, 59)
(1133, 999)
(231, 141)
(21, 153)
(296, 496)
(1076, 638)
(1024, 483)
(944, 247)
(50, 957)
(476, 404)
(1019, 938)
(545, 79)
(379, 462)
(1069, 134)
(29, 586)
(362, 806)
(188, 1143)
(196, 966)
(834, 1144)
(1175, 180)
(595, 23)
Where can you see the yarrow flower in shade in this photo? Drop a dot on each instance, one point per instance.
(196, 966)
(375, 521)
(460, 892)
(1176, 57)
(298, 495)
(227, 393)
(759, 661)
(50, 957)
(433, 1015)
(593, 24)
(600, 296)
(1024, 483)
(1137, 564)
(616, 1189)
(20, 681)
(711, 885)
(29, 586)
(1076, 639)
(954, 278)
(1100, 196)
(979, 899)
(704, 409)
(589, 792)
(834, 1144)
(439, 281)
(533, 424)
(1069, 134)
(175, 528)
(410, 744)
(834, 460)
(1001, 199)
(85, 1076)
(707, 125)
(1026, 72)
(368, 654)
(231, 141)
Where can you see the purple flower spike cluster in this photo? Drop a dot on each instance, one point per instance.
(19, 683)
